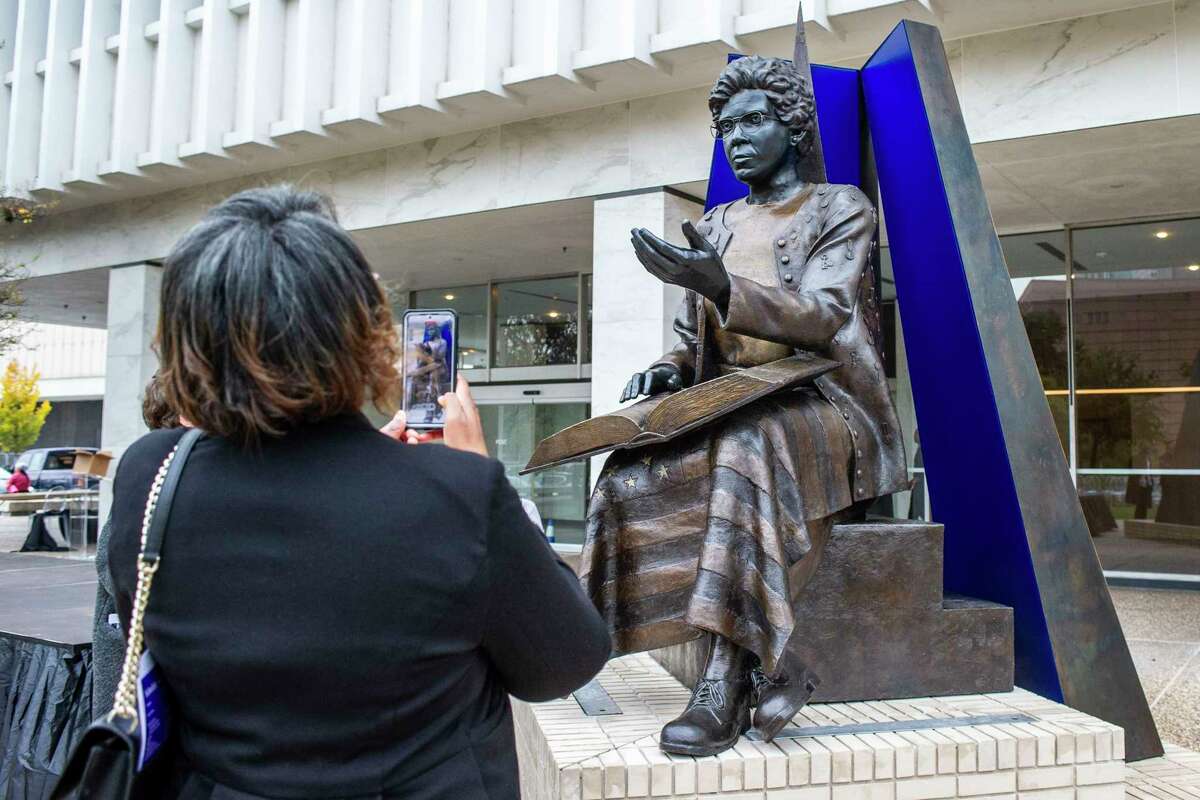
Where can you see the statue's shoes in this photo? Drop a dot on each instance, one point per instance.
(717, 714)
(778, 700)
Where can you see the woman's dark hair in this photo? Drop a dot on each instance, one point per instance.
(271, 317)
(783, 84)
(156, 411)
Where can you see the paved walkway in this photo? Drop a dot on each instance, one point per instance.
(1175, 776)
(1163, 631)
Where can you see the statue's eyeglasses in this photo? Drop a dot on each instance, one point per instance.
(749, 122)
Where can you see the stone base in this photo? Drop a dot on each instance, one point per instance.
(973, 746)
(873, 623)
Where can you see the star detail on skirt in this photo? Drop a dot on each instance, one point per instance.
(662, 471)
(645, 460)
(631, 482)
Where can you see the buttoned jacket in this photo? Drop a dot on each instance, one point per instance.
(824, 303)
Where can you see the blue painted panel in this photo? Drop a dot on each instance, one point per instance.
(839, 120)
(968, 468)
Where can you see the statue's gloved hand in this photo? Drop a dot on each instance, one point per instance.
(698, 268)
(663, 378)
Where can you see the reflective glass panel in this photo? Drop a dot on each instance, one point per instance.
(560, 493)
(471, 304)
(1137, 375)
(1137, 346)
(537, 322)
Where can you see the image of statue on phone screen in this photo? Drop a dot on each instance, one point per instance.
(429, 364)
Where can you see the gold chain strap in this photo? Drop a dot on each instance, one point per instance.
(125, 700)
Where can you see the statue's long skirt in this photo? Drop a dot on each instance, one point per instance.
(718, 530)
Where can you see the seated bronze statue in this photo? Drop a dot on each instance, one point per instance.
(714, 533)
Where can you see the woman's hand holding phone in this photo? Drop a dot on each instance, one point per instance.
(463, 429)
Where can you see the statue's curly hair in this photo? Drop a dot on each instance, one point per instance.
(783, 84)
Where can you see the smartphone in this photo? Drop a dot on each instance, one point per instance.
(430, 362)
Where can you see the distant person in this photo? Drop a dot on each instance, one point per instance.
(19, 480)
(349, 638)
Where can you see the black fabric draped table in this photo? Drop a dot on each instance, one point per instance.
(45, 668)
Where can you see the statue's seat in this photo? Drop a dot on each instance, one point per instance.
(874, 623)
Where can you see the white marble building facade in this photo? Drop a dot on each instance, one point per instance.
(468, 141)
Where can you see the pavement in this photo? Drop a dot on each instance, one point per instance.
(1162, 627)
(1163, 630)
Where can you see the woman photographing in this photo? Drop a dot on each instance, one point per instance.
(350, 638)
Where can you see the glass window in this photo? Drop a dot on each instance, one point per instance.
(471, 304)
(587, 319)
(1137, 344)
(537, 322)
(1137, 376)
(60, 459)
(560, 493)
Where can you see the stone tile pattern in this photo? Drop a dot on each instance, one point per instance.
(1063, 755)
(1175, 776)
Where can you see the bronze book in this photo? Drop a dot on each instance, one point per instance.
(663, 417)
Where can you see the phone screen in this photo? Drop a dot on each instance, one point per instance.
(430, 337)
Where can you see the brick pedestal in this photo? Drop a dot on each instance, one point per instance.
(916, 749)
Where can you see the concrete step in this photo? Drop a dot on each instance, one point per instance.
(873, 622)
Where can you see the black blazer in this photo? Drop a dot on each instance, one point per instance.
(342, 616)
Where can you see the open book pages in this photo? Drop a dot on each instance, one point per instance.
(665, 416)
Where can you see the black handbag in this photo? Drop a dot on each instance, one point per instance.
(103, 765)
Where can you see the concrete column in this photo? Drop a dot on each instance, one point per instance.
(133, 293)
(632, 311)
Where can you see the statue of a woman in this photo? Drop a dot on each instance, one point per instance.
(713, 534)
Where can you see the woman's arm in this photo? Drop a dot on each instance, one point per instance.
(809, 316)
(541, 633)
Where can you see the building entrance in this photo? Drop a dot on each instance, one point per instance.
(515, 418)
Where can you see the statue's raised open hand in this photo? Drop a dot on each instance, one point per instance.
(698, 268)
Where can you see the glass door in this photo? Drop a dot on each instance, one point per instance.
(515, 419)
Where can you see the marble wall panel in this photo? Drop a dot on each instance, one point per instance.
(356, 184)
(1099, 70)
(451, 175)
(669, 140)
(1187, 33)
(568, 155)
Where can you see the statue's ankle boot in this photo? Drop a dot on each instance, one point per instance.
(779, 699)
(719, 711)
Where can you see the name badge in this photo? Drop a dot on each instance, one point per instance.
(153, 717)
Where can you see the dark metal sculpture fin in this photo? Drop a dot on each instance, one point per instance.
(814, 166)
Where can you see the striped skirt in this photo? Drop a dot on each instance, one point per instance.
(718, 531)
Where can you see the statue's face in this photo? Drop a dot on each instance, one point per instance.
(755, 153)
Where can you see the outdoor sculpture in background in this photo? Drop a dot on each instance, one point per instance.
(714, 532)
